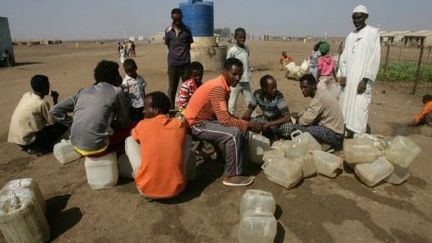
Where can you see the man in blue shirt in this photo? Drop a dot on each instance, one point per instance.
(178, 38)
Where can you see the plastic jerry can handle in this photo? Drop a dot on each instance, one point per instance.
(295, 133)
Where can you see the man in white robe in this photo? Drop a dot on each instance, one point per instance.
(359, 64)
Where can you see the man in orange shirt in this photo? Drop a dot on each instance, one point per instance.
(162, 139)
(424, 117)
(285, 59)
(207, 115)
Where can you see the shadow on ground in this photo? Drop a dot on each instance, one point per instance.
(61, 220)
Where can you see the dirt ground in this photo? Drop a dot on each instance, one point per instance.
(317, 210)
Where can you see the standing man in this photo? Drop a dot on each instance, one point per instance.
(241, 52)
(358, 68)
(178, 38)
(207, 115)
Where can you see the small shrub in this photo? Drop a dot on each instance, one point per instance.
(404, 71)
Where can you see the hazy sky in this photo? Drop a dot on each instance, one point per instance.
(87, 19)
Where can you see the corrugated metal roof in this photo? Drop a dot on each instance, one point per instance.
(394, 33)
(420, 33)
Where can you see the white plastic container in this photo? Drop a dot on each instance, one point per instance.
(22, 218)
(256, 146)
(402, 151)
(126, 169)
(305, 139)
(426, 130)
(26, 183)
(399, 175)
(360, 150)
(372, 173)
(102, 172)
(281, 144)
(189, 160)
(326, 163)
(129, 162)
(257, 200)
(272, 155)
(133, 152)
(283, 172)
(64, 152)
(257, 227)
(309, 168)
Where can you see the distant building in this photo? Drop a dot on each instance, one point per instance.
(416, 37)
(5, 39)
(392, 37)
(158, 37)
(407, 38)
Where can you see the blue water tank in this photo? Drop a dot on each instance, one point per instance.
(198, 15)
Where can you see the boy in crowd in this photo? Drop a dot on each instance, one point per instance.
(323, 117)
(31, 126)
(162, 139)
(241, 52)
(326, 70)
(274, 107)
(284, 60)
(190, 86)
(134, 85)
(314, 60)
(101, 113)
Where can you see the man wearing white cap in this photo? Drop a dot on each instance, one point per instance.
(359, 64)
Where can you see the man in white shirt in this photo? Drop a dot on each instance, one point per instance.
(359, 64)
(31, 126)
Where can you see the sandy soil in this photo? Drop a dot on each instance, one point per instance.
(317, 210)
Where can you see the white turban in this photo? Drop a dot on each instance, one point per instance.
(360, 9)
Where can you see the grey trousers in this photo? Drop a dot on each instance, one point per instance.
(232, 139)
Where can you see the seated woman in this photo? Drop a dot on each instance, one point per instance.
(275, 110)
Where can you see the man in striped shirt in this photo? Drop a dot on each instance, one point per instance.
(207, 115)
(276, 115)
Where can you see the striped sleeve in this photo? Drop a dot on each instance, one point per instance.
(219, 106)
(183, 96)
(253, 102)
(282, 105)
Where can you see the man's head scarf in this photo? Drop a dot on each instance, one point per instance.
(324, 47)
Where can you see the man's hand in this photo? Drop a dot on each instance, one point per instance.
(361, 88)
(54, 95)
(412, 123)
(342, 81)
(295, 115)
(266, 126)
(255, 126)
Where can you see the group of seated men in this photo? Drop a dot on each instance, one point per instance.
(101, 122)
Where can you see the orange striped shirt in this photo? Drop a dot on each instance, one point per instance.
(209, 103)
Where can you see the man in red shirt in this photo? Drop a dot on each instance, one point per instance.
(207, 115)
